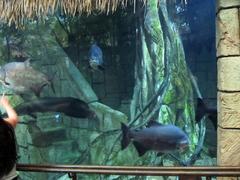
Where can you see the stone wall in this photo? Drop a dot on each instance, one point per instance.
(228, 57)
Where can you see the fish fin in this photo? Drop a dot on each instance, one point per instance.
(153, 123)
(140, 149)
(101, 68)
(200, 111)
(125, 136)
(37, 90)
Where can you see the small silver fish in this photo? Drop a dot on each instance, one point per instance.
(156, 137)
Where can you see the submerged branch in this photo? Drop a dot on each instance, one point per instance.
(158, 93)
(202, 126)
(198, 150)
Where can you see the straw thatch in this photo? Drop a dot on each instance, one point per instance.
(17, 11)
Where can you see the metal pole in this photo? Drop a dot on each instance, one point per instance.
(134, 170)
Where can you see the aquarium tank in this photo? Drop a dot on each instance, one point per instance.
(131, 84)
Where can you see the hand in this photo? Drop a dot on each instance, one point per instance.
(4, 101)
(12, 115)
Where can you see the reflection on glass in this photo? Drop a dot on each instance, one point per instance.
(119, 89)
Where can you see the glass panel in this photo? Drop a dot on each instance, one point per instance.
(127, 88)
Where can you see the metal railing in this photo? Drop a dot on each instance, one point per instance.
(72, 170)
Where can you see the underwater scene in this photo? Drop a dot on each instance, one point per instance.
(136, 87)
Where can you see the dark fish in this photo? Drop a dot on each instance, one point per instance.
(68, 105)
(157, 137)
(96, 57)
(202, 110)
(21, 78)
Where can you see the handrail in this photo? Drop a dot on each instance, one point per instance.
(133, 170)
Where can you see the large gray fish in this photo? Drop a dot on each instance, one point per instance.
(156, 137)
(68, 105)
(21, 78)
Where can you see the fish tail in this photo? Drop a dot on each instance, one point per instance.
(125, 136)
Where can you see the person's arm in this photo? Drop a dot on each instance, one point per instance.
(12, 115)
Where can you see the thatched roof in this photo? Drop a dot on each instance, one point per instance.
(17, 11)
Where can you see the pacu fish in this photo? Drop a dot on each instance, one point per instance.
(156, 137)
(96, 57)
(68, 105)
(22, 78)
